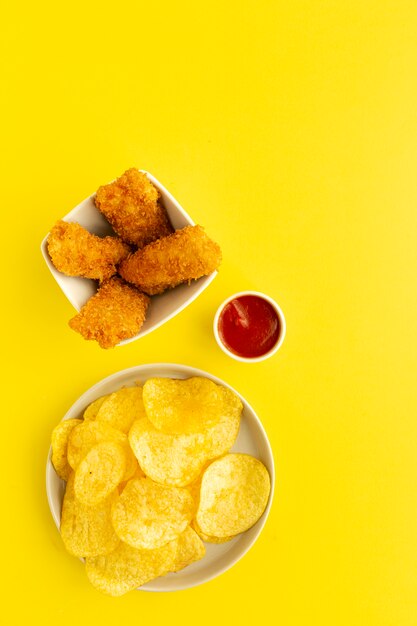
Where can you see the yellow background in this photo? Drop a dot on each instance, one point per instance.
(289, 130)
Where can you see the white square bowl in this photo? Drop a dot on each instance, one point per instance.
(163, 307)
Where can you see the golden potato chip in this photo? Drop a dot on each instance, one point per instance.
(138, 473)
(168, 459)
(122, 408)
(182, 406)
(194, 489)
(221, 437)
(60, 436)
(127, 568)
(91, 411)
(233, 495)
(190, 548)
(132, 465)
(179, 459)
(87, 530)
(88, 434)
(99, 473)
(148, 515)
(209, 538)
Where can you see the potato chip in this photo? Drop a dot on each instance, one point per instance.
(122, 408)
(233, 495)
(99, 473)
(209, 538)
(132, 465)
(221, 437)
(138, 473)
(127, 568)
(194, 489)
(182, 406)
(174, 460)
(148, 515)
(91, 411)
(88, 434)
(60, 436)
(179, 459)
(190, 548)
(87, 530)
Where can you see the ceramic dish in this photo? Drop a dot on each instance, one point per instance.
(279, 315)
(163, 307)
(252, 439)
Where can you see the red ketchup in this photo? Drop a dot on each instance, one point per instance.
(249, 326)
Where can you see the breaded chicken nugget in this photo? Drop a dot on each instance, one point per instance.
(133, 206)
(116, 312)
(186, 255)
(76, 252)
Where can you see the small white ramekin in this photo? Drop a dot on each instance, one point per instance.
(277, 310)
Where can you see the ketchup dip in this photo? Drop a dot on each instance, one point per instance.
(250, 326)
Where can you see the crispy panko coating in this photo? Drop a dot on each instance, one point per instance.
(181, 257)
(116, 312)
(133, 206)
(76, 252)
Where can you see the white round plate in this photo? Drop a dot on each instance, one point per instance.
(252, 439)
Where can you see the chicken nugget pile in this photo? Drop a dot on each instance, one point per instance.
(150, 478)
(144, 258)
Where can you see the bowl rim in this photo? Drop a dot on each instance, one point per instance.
(277, 310)
(79, 404)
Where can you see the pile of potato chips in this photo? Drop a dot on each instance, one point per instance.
(150, 478)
